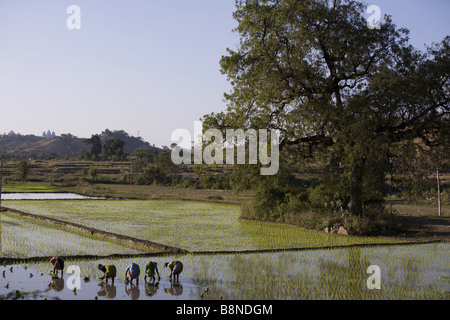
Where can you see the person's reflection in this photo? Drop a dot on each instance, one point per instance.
(133, 291)
(151, 288)
(175, 289)
(108, 291)
(57, 284)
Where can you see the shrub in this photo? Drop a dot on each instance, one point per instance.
(23, 168)
(216, 198)
(93, 173)
(445, 196)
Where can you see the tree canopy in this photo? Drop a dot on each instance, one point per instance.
(340, 93)
(96, 146)
(113, 149)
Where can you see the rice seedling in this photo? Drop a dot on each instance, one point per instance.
(188, 225)
(408, 272)
(26, 238)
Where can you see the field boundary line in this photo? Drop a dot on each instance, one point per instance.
(92, 231)
(348, 246)
(11, 260)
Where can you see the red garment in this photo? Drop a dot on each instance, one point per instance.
(58, 262)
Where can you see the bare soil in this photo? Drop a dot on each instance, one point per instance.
(426, 228)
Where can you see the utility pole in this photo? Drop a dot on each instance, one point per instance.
(439, 192)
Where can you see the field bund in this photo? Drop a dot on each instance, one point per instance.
(176, 227)
(223, 257)
(108, 235)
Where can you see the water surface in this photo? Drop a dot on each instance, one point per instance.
(44, 196)
(414, 272)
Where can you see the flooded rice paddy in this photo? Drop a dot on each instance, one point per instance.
(191, 226)
(23, 238)
(406, 272)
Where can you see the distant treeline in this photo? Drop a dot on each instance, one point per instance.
(114, 145)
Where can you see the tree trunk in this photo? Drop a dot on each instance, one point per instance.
(439, 192)
(356, 205)
(356, 192)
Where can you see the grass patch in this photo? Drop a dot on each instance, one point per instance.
(421, 209)
(137, 192)
(26, 188)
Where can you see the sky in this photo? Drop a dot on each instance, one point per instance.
(144, 66)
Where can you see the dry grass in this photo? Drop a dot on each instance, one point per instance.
(125, 191)
(421, 210)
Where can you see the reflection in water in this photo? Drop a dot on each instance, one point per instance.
(57, 284)
(412, 272)
(175, 289)
(407, 272)
(133, 291)
(108, 291)
(356, 274)
(151, 288)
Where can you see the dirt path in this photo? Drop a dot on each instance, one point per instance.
(426, 228)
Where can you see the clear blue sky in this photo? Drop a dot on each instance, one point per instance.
(138, 65)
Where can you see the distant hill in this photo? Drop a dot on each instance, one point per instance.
(131, 143)
(65, 145)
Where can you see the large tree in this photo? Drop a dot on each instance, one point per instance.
(95, 144)
(337, 90)
(114, 149)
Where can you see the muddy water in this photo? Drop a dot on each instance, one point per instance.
(414, 272)
(40, 287)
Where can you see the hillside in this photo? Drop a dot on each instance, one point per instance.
(61, 146)
(131, 143)
(65, 145)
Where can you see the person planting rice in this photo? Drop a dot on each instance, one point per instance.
(58, 264)
(175, 269)
(109, 272)
(150, 268)
(133, 271)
